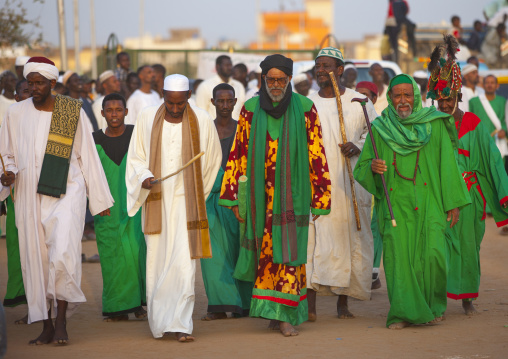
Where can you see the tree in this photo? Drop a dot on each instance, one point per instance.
(14, 22)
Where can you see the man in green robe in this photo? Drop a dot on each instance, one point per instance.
(416, 148)
(483, 171)
(224, 293)
(120, 240)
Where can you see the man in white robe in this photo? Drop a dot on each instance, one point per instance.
(110, 84)
(170, 271)
(224, 68)
(339, 258)
(50, 228)
(470, 90)
(143, 96)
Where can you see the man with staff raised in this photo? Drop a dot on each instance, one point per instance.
(416, 148)
(340, 252)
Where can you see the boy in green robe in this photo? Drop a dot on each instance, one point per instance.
(483, 171)
(416, 148)
(224, 293)
(120, 240)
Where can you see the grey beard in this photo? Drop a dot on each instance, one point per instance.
(404, 114)
(276, 98)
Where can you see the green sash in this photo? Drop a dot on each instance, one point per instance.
(55, 166)
(292, 191)
(405, 141)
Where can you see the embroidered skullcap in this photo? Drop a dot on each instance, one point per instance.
(43, 66)
(176, 82)
(468, 68)
(21, 60)
(331, 52)
(106, 75)
(369, 86)
(283, 63)
(66, 76)
(300, 78)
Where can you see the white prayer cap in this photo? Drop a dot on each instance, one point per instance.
(350, 66)
(300, 78)
(21, 60)
(60, 79)
(176, 82)
(106, 75)
(66, 76)
(468, 68)
(420, 74)
(43, 66)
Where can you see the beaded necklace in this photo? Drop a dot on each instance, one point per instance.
(416, 167)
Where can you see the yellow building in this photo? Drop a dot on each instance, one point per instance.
(293, 30)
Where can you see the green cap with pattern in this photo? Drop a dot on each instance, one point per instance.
(331, 52)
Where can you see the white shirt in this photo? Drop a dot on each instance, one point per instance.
(4, 105)
(468, 94)
(138, 101)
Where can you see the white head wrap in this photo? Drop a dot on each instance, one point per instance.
(420, 74)
(106, 75)
(300, 78)
(21, 60)
(176, 82)
(66, 76)
(47, 70)
(350, 66)
(60, 79)
(468, 68)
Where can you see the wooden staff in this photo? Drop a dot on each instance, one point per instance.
(363, 102)
(5, 172)
(194, 159)
(348, 160)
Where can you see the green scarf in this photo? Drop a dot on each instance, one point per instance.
(292, 191)
(405, 141)
(55, 166)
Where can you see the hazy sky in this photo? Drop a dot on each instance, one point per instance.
(232, 19)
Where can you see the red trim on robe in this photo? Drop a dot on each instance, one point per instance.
(484, 203)
(289, 302)
(469, 123)
(461, 296)
(502, 201)
(502, 223)
(463, 152)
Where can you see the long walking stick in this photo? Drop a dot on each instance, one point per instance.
(348, 161)
(363, 102)
(193, 159)
(5, 171)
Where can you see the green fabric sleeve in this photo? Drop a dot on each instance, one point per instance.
(363, 171)
(320, 212)
(227, 203)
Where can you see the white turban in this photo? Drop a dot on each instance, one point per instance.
(420, 74)
(300, 78)
(350, 66)
(176, 82)
(106, 75)
(468, 68)
(43, 66)
(66, 76)
(21, 60)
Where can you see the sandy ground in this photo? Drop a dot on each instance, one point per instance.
(459, 336)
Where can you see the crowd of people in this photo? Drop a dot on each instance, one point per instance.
(277, 184)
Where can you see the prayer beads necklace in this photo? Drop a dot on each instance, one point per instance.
(416, 167)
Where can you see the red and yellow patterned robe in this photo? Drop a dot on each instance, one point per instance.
(280, 291)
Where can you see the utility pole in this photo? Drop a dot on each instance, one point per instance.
(63, 40)
(76, 36)
(93, 44)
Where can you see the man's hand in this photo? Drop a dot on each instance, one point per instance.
(379, 166)
(8, 178)
(236, 212)
(454, 216)
(106, 212)
(315, 217)
(505, 204)
(147, 184)
(349, 150)
(501, 134)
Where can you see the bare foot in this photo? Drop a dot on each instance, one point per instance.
(311, 303)
(214, 316)
(48, 331)
(437, 320)
(23, 320)
(274, 325)
(60, 337)
(342, 308)
(287, 329)
(469, 308)
(399, 325)
(141, 313)
(116, 318)
(184, 337)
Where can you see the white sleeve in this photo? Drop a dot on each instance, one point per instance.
(212, 158)
(7, 151)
